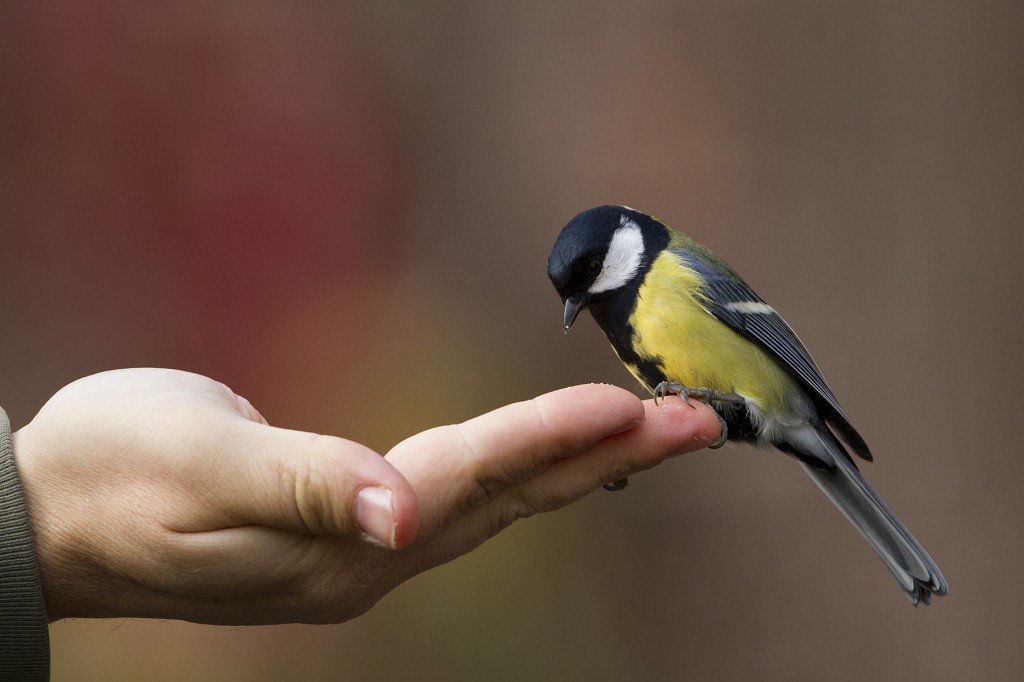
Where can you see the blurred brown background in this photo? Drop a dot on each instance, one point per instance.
(344, 210)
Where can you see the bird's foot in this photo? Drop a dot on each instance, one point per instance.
(616, 486)
(706, 396)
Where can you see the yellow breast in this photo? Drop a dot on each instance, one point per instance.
(673, 328)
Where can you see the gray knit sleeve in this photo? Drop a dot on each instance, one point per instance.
(24, 636)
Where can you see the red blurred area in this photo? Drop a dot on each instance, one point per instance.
(196, 169)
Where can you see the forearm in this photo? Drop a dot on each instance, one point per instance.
(24, 637)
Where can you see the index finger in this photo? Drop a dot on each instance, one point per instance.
(513, 443)
(559, 424)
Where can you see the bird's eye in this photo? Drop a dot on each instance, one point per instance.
(594, 269)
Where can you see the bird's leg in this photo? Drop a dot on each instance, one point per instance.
(706, 396)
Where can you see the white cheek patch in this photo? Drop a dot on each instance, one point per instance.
(750, 307)
(622, 261)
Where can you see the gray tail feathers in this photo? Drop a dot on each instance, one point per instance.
(913, 569)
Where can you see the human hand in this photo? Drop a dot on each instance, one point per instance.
(158, 493)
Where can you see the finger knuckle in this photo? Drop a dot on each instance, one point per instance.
(488, 480)
(302, 478)
(513, 508)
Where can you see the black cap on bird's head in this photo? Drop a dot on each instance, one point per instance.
(596, 254)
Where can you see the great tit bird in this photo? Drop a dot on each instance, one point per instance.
(683, 322)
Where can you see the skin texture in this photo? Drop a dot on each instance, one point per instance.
(159, 493)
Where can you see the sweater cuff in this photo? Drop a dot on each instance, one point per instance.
(24, 635)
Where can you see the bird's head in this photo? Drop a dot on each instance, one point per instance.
(597, 255)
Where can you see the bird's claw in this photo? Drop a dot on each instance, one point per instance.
(706, 396)
(616, 486)
(725, 433)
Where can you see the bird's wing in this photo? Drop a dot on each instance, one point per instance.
(737, 305)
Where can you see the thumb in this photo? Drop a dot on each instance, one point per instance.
(313, 484)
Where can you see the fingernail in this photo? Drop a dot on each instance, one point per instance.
(632, 424)
(376, 516)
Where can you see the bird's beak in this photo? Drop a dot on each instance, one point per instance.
(572, 309)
